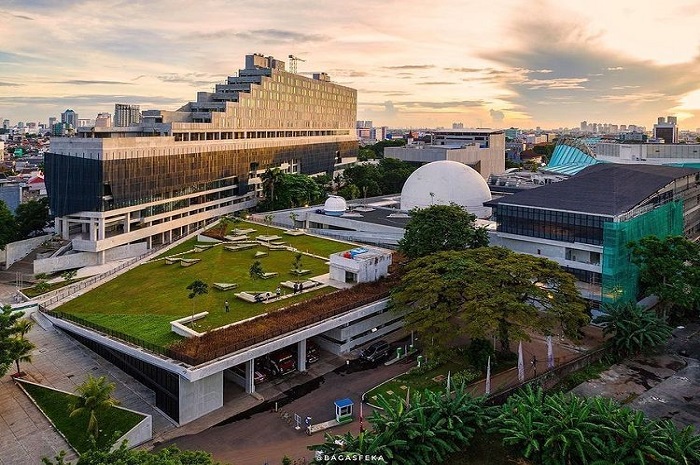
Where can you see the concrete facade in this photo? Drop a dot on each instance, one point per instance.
(651, 154)
(16, 251)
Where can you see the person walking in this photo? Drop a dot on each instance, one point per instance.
(278, 291)
(226, 306)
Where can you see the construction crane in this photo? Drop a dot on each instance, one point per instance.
(293, 63)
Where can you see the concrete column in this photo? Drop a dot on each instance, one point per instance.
(101, 258)
(200, 397)
(127, 222)
(93, 231)
(100, 229)
(149, 242)
(250, 376)
(301, 355)
(170, 235)
(65, 228)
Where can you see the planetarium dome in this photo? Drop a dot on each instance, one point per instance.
(445, 182)
(335, 205)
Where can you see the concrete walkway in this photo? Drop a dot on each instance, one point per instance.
(62, 363)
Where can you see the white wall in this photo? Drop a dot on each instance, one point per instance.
(16, 251)
(139, 434)
(197, 398)
(81, 259)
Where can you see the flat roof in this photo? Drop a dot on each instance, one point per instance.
(603, 189)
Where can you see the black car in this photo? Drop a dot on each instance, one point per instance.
(375, 352)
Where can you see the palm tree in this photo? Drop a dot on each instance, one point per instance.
(196, 288)
(270, 178)
(367, 443)
(95, 396)
(23, 326)
(634, 329)
(20, 351)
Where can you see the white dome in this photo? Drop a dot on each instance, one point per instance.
(335, 205)
(444, 182)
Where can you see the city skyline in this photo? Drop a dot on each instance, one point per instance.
(522, 64)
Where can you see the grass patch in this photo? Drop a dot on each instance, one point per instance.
(142, 302)
(33, 291)
(417, 381)
(55, 405)
(592, 371)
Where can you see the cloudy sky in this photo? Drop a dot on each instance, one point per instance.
(497, 63)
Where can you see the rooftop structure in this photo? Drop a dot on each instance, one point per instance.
(127, 189)
(481, 149)
(311, 288)
(585, 222)
(445, 182)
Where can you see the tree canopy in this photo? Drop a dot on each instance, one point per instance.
(386, 177)
(32, 217)
(439, 228)
(670, 269)
(485, 292)
(634, 329)
(13, 346)
(8, 226)
(289, 190)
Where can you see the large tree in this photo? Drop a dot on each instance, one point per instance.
(670, 269)
(8, 226)
(289, 190)
(32, 217)
(485, 292)
(13, 346)
(439, 228)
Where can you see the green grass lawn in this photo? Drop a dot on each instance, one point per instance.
(55, 405)
(416, 381)
(142, 302)
(33, 291)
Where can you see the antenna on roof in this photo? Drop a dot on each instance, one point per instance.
(293, 63)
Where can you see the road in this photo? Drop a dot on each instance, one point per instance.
(266, 437)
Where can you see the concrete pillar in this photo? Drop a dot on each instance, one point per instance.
(65, 228)
(93, 231)
(301, 355)
(100, 229)
(101, 258)
(200, 397)
(170, 236)
(127, 222)
(149, 242)
(250, 376)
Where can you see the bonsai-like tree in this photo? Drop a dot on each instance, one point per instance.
(95, 395)
(196, 288)
(256, 270)
(296, 264)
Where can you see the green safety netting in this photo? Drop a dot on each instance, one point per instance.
(620, 275)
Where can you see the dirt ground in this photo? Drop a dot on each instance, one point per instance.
(665, 386)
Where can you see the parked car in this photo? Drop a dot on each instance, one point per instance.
(282, 362)
(375, 352)
(259, 375)
(312, 352)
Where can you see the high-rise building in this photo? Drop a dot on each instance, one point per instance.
(668, 131)
(672, 120)
(126, 115)
(130, 188)
(103, 120)
(85, 122)
(70, 118)
(584, 125)
(6, 124)
(52, 121)
(457, 125)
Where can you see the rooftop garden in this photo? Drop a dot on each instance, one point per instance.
(142, 302)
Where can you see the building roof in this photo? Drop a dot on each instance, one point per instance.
(602, 189)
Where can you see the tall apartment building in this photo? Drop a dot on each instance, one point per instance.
(667, 130)
(126, 115)
(118, 191)
(70, 117)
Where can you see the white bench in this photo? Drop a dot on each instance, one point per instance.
(225, 286)
(189, 261)
(255, 297)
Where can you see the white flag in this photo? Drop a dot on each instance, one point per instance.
(521, 365)
(487, 391)
(550, 353)
(448, 382)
